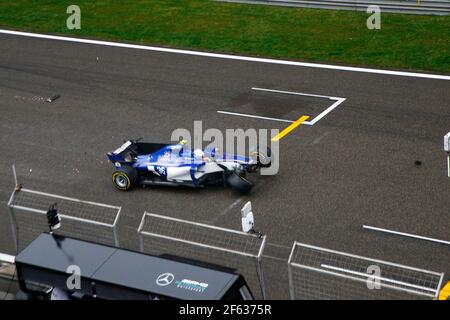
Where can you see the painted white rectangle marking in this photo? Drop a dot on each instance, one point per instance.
(228, 56)
(311, 122)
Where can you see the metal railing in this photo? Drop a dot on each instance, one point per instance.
(319, 273)
(80, 219)
(238, 250)
(313, 272)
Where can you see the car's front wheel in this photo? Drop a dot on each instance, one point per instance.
(239, 183)
(263, 157)
(125, 178)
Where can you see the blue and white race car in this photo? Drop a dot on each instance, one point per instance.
(139, 163)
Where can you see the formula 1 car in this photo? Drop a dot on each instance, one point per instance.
(138, 163)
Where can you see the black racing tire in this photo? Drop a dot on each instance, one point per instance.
(125, 178)
(239, 183)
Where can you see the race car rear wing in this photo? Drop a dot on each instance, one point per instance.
(123, 147)
(135, 148)
(118, 155)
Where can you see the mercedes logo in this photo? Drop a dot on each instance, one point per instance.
(164, 279)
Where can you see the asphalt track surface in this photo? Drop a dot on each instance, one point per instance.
(357, 165)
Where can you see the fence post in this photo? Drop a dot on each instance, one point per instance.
(115, 233)
(260, 269)
(448, 164)
(13, 221)
(116, 237)
(291, 282)
(439, 286)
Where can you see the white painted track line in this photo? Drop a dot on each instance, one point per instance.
(296, 93)
(228, 56)
(404, 234)
(253, 116)
(327, 111)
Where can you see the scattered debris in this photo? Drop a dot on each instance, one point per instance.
(33, 98)
(56, 96)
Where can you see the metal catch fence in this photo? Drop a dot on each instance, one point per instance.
(210, 244)
(319, 273)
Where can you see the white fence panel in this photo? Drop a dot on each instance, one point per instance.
(319, 273)
(81, 219)
(241, 251)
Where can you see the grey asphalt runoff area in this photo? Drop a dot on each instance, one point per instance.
(377, 159)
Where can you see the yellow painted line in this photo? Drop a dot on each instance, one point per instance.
(290, 128)
(444, 294)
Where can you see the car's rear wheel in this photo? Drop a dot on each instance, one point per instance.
(239, 183)
(125, 178)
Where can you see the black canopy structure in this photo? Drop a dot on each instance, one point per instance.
(113, 273)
